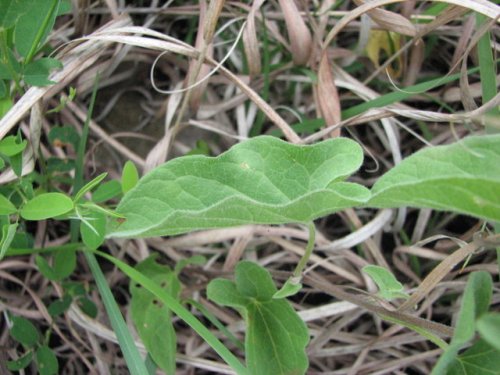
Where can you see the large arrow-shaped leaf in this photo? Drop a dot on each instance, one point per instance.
(462, 177)
(262, 181)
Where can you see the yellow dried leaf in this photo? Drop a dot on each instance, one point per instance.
(387, 43)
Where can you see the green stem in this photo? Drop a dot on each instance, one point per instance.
(307, 253)
(6, 59)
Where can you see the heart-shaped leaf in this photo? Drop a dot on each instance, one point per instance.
(276, 337)
(463, 177)
(262, 181)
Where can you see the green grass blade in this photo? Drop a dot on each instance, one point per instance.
(403, 94)
(135, 362)
(486, 67)
(180, 311)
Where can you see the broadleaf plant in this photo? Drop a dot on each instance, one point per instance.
(463, 177)
(261, 181)
(276, 336)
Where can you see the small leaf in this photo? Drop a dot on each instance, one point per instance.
(59, 306)
(21, 362)
(10, 146)
(152, 319)
(64, 135)
(45, 206)
(130, 176)
(260, 181)
(16, 162)
(475, 302)
(488, 326)
(37, 72)
(89, 186)
(6, 206)
(195, 259)
(8, 234)
(24, 331)
(60, 165)
(63, 265)
(3, 88)
(276, 337)
(46, 361)
(389, 287)
(463, 177)
(106, 191)
(88, 307)
(5, 105)
(93, 229)
(290, 288)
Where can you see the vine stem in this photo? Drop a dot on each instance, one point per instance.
(297, 274)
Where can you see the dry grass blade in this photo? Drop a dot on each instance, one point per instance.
(391, 21)
(197, 73)
(298, 33)
(485, 7)
(250, 42)
(442, 270)
(327, 95)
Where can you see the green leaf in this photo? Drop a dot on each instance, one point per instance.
(152, 318)
(106, 191)
(34, 26)
(88, 307)
(5, 105)
(47, 205)
(463, 177)
(11, 10)
(37, 72)
(195, 259)
(488, 326)
(89, 186)
(6, 206)
(64, 135)
(130, 176)
(64, 264)
(16, 162)
(59, 306)
(10, 146)
(8, 234)
(389, 287)
(93, 229)
(60, 165)
(479, 359)
(3, 89)
(46, 361)
(290, 288)
(21, 362)
(262, 181)
(276, 337)
(475, 302)
(24, 331)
